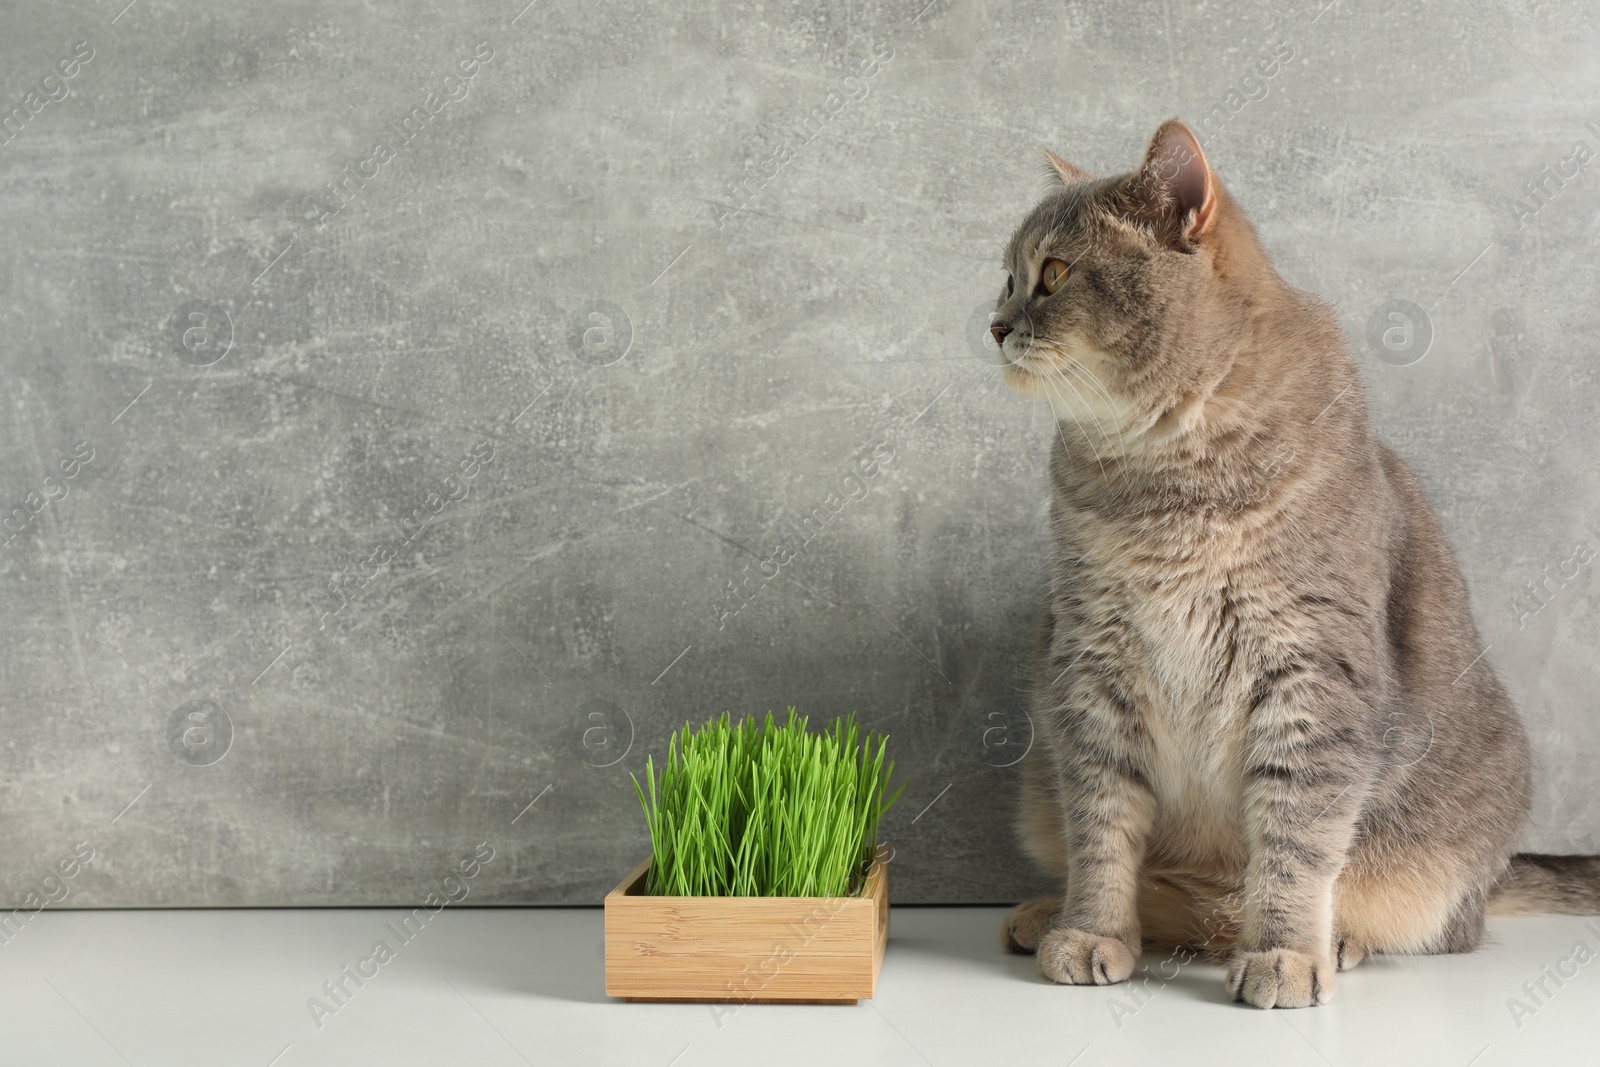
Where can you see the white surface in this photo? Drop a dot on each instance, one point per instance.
(524, 986)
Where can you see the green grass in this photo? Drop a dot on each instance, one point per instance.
(760, 809)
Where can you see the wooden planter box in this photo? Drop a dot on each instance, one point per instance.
(813, 950)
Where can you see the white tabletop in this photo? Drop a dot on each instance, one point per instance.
(524, 986)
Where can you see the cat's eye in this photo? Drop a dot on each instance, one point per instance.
(1054, 275)
(1011, 285)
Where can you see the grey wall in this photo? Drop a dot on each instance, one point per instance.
(271, 389)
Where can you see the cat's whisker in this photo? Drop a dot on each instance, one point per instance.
(1093, 381)
(1069, 383)
(1081, 375)
(1084, 433)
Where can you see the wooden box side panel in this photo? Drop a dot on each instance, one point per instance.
(744, 948)
(879, 895)
(785, 949)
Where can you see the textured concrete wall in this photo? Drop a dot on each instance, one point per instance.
(361, 525)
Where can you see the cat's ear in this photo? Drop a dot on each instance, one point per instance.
(1174, 185)
(1063, 173)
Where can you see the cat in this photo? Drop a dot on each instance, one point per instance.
(1266, 726)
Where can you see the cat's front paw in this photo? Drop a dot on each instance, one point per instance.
(1027, 923)
(1279, 978)
(1077, 957)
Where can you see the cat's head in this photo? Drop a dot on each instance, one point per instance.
(1125, 293)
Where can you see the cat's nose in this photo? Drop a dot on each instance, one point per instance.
(998, 331)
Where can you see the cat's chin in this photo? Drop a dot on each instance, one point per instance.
(1033, 376)
(1029, 370)
(1022, 380)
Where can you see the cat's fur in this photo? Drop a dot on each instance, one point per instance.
(1266, 727)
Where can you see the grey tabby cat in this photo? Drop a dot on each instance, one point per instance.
(1266, 729)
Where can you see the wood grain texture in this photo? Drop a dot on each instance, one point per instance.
(769, 949)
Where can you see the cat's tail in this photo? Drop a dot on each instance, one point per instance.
(1535, 884)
